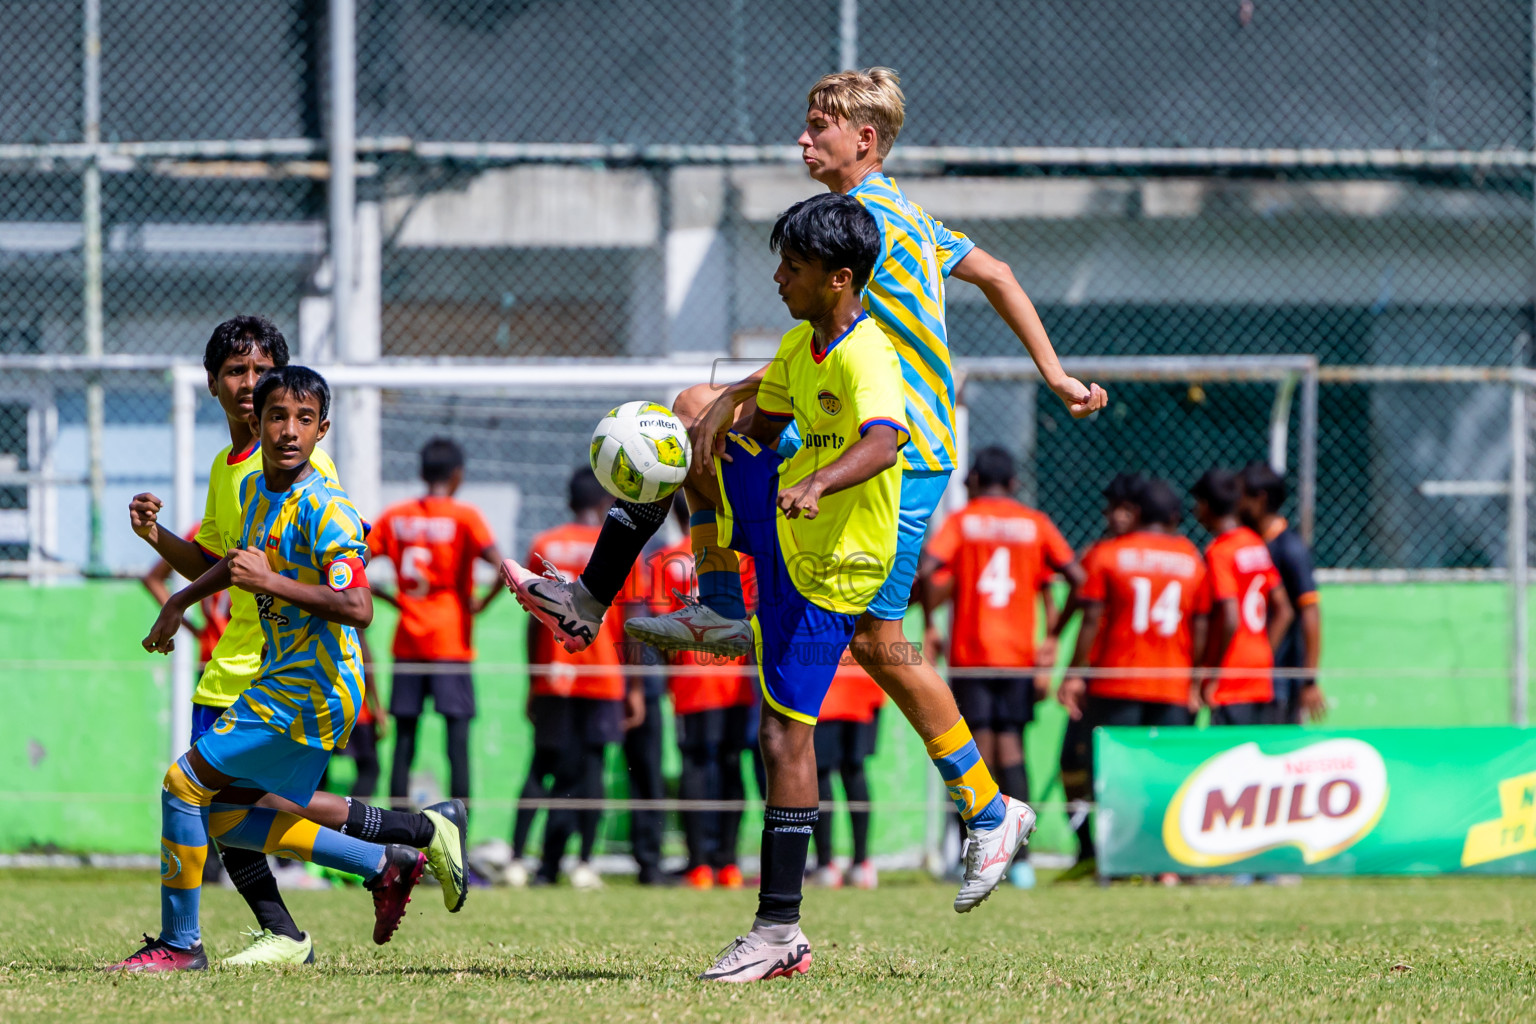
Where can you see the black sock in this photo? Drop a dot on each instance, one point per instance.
(1015, 782)
(626, 529)
(856, 788)
(377, 825)
(821, 832)
(786, 840)
(252, 877)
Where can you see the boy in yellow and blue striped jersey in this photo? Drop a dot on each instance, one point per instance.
(238, 353)
(302, 556)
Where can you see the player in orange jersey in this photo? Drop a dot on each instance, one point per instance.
(1144, 616)
(434, 541)
(845, 738)
(712, 700)
(998, 557)
(1250, 613)
(577, 706)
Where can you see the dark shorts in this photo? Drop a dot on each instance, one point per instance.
(203, 717)
(996, 703)
(840, 743)
(451, 688)
(1285, 709)
(1112, 712)
(1242, 714)
(563, 722)
(797, 642)
(715, 729)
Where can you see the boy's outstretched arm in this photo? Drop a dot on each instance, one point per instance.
(249, 570)
(869, 456)
(996, 281)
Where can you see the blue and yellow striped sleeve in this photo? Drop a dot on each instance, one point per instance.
(952, 246)
(875, 385)
(336, 530)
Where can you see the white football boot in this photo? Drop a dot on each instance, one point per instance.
(759, 957)
(562, 604)
(693, 627)
(988, 854)
(584, 876)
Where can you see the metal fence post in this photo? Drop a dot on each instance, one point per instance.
(184, 382)
(1519, 555)
(95, 396)
(342, 188)
(848, 35)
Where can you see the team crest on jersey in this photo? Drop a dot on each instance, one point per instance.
(340, 575)
(829, 403)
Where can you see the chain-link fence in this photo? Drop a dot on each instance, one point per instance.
(548, 179)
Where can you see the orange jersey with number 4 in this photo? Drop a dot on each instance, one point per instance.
(1240, 569)
(1001, 554)
(433, 542)
(1150, 585)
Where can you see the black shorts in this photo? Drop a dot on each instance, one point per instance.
(451, 687)
(1112, 711)
(840, 743)
(1242, 714)
(996, 703)
(563, 722)
(1285, 709)
(715, 729)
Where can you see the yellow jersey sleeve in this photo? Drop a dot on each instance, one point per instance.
(874, 383)
(773, 395)
(209, 535)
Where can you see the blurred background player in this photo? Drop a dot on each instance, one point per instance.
(1144, 612)
(1122, 514)
(993, 561)
(712, 701)
(846, 734)
(434, 541)
(1249, 610)
(577, 705)
(1298, 696)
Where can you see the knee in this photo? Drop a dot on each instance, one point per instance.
(692, 401)
(784, 742)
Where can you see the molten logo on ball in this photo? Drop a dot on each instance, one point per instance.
(1321, 799)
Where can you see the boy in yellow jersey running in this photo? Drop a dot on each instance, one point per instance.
(238, 352)
(852, 121)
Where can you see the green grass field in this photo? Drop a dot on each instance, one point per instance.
(1403, 950)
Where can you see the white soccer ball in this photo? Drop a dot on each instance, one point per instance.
(640, 452)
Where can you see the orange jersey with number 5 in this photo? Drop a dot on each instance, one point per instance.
(1001, 553)
(1150, 585)
(433, 542)
(1241, 570)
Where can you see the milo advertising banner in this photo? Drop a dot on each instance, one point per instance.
(1287, 800)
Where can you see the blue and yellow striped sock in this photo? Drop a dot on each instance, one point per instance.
(718, 568)
(288, 835)
(966, 777)
(184, 802)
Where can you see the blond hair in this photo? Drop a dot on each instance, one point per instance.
(857, 98)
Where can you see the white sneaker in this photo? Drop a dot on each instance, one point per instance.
(863, 876)
(562, 604)
(825, 877)
(583, 876)
(988, 854)
(515, 874)
(693, 627)
(755, 957)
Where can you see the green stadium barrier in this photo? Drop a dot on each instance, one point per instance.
(1282, 799)
(85, 728)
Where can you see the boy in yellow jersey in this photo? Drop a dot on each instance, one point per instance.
(301, 555)
(238, 352)
(852, 120)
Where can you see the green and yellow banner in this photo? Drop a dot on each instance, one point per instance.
(1283, 800)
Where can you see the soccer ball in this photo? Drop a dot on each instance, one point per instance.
(640, 452)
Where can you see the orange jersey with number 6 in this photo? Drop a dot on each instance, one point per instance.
(433, 542)
(1240, 569)
(1150, 584)
(1001, 553)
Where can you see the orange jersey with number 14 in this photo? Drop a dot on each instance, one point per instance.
(1001, 553)
(433, 542)
(1150, 585)
(1241, 570)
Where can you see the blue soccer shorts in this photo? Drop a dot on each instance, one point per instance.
(244, 747)
(921, 493)
(203, 717)
(798, 644)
